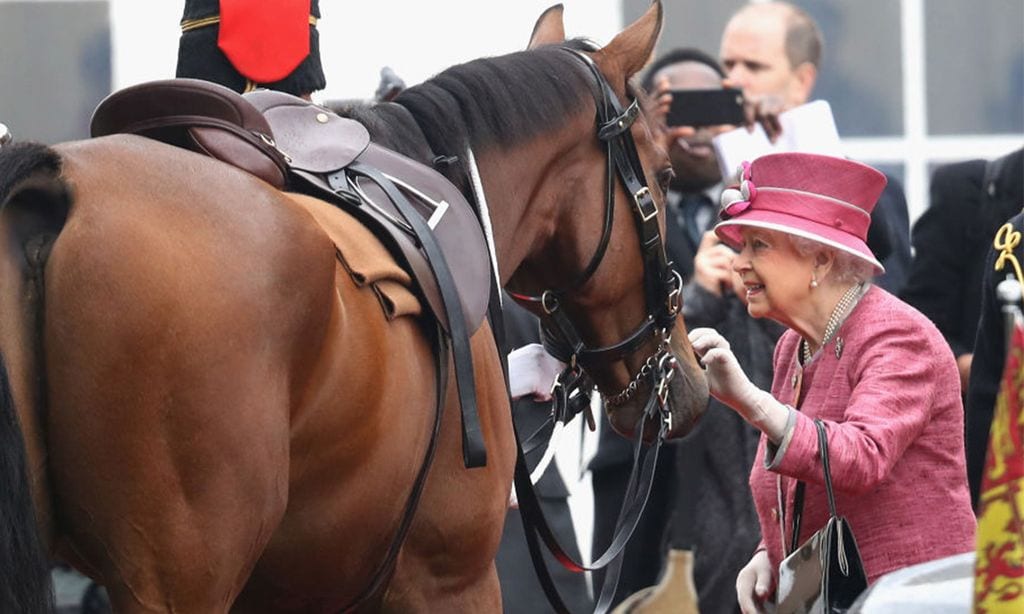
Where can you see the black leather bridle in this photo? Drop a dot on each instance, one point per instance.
(662, 284)
(662, 287)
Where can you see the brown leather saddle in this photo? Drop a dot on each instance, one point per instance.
(295, 145)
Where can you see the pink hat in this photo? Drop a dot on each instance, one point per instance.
(821, 198)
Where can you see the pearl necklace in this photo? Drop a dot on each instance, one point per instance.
(834, 320)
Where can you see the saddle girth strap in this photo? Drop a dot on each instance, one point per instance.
(474, 453)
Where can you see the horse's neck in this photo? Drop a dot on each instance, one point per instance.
(510, 176)
(521, 210)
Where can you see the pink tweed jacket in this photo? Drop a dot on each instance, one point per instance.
(888, 391)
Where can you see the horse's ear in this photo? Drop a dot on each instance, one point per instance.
(549, 29)
(633, 47)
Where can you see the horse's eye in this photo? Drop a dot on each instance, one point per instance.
(665, 177)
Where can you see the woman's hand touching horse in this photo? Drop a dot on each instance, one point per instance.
(730, 385)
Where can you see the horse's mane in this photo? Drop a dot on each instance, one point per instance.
(21, 160)
(497, 101)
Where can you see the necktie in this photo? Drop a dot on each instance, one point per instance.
(694, 209)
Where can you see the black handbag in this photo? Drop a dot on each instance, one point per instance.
(825, 573)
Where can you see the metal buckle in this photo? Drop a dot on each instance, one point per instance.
(631, 113)
(673, 302)
(640, 197)
(439, 206)
(548, 294)
(354, 185)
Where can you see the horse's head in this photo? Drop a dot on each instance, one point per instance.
(608, 298)
(574, 182)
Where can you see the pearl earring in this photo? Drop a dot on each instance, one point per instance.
(814, 282)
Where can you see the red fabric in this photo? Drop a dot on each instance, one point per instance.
(1005, 460)
(264, 39)
(891, 405)
(999, 570)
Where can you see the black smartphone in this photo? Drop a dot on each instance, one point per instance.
(706, 107)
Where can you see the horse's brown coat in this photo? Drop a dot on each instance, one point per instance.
(218, 416)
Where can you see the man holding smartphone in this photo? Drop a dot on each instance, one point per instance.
(693, 108)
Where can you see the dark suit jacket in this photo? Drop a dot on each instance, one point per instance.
(951, 240)
(950, 245)
(1006, 191)
(679, 245)
(987, 368)
(889, 236)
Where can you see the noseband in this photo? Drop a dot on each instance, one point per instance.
(661, 283)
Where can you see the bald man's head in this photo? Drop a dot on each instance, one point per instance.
(772, 49)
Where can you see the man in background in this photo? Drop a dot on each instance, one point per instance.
(954, 279)
(970, 200)
(773, 50)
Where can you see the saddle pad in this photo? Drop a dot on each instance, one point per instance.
(365, 258)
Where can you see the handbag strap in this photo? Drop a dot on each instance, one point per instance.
(798, 509)
(823, 450)
(798, 497)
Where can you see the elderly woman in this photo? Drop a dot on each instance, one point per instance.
(875, 371)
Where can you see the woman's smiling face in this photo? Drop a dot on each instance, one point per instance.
(775, 274)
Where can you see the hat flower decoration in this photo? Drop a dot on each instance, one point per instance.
(735, 201)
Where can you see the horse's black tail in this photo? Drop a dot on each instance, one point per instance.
(29, 184)
(24, 571)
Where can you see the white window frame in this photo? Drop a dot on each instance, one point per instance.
(916, 149)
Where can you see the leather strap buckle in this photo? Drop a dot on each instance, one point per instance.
(645, 204)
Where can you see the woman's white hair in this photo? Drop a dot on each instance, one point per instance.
(846, 268)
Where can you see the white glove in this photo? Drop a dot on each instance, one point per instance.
(753, 583)
(531, 371)
(730, 385)
(726, 379)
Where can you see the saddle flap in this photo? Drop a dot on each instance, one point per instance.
(315, 139)
(197, 115)
(455, 226)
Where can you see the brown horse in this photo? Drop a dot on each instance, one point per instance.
(210, 415)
